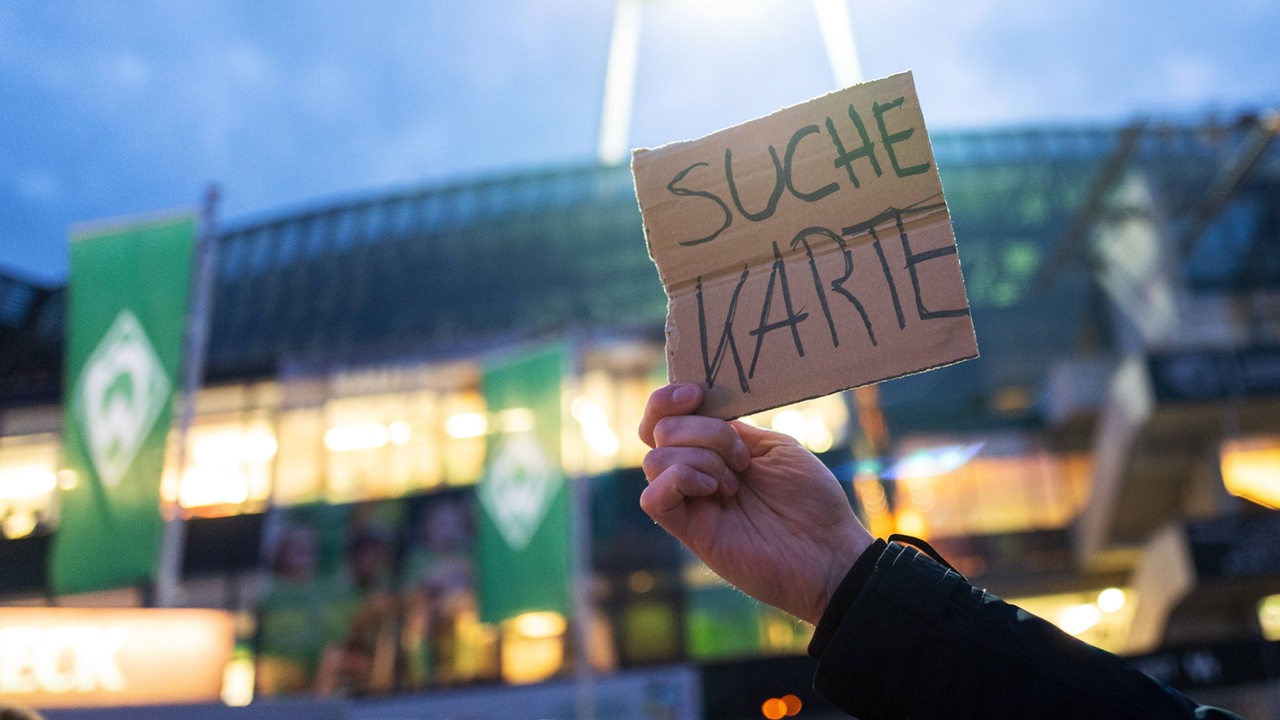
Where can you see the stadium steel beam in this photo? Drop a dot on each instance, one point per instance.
(1083, 220)
(1234, 173)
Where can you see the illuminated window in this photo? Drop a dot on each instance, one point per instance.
(28, 482)
(946, 487)
(533, 647)
(391, 444)
(228, 467)
(1251, 470)
(607, 405)
(298, 462)
(465, 434)
(594, 439)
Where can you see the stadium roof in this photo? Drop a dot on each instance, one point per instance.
(447, 269)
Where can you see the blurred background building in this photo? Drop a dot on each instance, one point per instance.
(1111, 462)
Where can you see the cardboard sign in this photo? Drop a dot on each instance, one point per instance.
(805, 252)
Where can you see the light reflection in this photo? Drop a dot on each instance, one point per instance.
(934, 461)
(595, 427)
(1077, 619)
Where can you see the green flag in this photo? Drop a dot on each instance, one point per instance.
(126, 318)
(524, 525)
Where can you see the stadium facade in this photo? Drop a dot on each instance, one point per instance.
(1111, 462)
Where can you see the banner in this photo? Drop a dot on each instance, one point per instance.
(126, 316)
(524, 527)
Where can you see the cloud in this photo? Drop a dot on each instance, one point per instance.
(38, 186)
(126, 71)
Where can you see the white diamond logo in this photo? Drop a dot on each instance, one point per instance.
(519, 488)
(118, 397)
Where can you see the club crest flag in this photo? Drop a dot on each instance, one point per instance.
(126, 318)
(524, 523)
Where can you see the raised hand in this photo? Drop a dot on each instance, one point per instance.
(760, 510)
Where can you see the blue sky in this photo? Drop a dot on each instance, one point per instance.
(118, 108)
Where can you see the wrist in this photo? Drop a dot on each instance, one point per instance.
(840, 564)
(846, 593)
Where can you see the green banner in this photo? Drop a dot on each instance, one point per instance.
(126, 317)
(524, 527)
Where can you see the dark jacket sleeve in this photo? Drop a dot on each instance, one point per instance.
(905, 637)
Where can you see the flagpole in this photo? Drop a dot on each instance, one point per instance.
(580, 549)
(169, 573)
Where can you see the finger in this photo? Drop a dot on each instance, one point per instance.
(706, 432)
(668, 492)
(673, 399)
(758, 440)
(702, 460)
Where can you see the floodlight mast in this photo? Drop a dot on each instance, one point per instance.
(834, 22)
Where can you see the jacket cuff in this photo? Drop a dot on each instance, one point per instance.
(845, 594)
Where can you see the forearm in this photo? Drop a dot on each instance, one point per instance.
(905, 637)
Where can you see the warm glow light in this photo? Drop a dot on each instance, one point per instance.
(1076, 619)
(204, 487)
(808, 425)
(595, 427)
(355, 437)
(1111, 600)
(26, 482)
(237, 681)
(777, 708)
(911, 522)
(790, 422)
(1269, 617)
(18, 524)
(544, 624)
(231, 448)
(532, 647)
(399, 433)
(871, 494)
(466, 425)
(1251, 470)
(101, 657)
